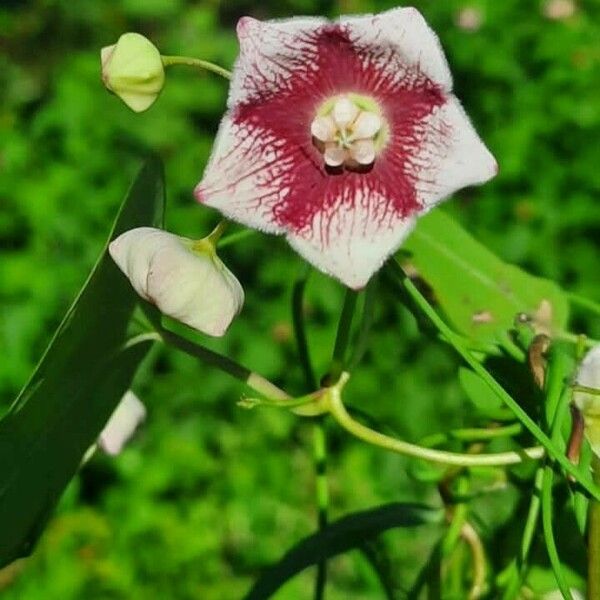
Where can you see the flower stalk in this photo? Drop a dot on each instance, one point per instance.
(197, 63)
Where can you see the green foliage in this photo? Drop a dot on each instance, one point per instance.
(480, 294)
(81, 378)
(209, 495)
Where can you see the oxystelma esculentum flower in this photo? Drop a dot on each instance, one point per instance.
(133, 70)
(588, 403)
(184, 278)
(126, 418)
(339, 134)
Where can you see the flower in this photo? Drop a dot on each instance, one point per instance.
(126, 418)
(133, 70)
(185, 279)
(589, 404)
(339, 134)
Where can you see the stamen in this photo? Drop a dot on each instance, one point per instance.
(367, 125)
(347, 133)
(344, 112)
(335, 155)
(324, 129)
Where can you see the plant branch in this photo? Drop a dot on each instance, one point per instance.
(456, 342)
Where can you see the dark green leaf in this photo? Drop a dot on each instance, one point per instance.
(79, 381)
(480, 294)
(340, 536)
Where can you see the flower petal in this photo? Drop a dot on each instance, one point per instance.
(123, 422)
(450, 156)
(270, 52)
(402, 33)
(353, 242)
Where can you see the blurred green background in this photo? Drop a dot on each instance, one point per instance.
(208, 493)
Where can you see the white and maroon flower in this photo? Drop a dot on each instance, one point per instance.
(339, 134)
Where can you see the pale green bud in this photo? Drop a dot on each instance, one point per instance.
(184, 279)
(133, 70)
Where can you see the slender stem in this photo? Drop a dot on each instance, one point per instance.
(574, 338)
(217, 232)
(343, 336)
(233, 238)
(470, 535)
(364, 331)
(197, 63)
(339, 413)
(300, 330)
(322, 490)
(594, 540)
(472, 435)
(584, 302)
(319, 437)
(528, 422)
(512, 577)
(546, 499)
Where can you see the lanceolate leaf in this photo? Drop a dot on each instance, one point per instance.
(340, 536)
(480, 294)
(83, 374)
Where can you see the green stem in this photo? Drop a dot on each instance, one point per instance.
(584, 302)
(343, 336)
(322, 492)
(319, 437)
(300, 330)
(197, 63)
(546, 499)
(470, 535)
(530, 425)
(339, 413)
(472, 435)
(215, 235)
(234, 238)
(362, 338)
(594, 540)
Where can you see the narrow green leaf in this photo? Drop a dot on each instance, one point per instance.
(479, 293)
(345, 534)
(75, 387)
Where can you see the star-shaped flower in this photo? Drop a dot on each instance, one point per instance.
(339, 134)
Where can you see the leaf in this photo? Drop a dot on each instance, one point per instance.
(345, 534)
(79, 381)
(480, 294)
(482, 397)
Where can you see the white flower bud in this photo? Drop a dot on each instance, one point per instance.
(589, 404)
(133, 70)
(122, 424)
(186, 280)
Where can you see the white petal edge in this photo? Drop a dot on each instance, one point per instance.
(121, 426)
(269, 50)
(234, 180)
(350, 245)
(452, 155)
(405, 31)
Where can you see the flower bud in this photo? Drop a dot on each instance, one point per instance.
(122, 424)
(185, 279)
(589, 404)
(133, 70)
